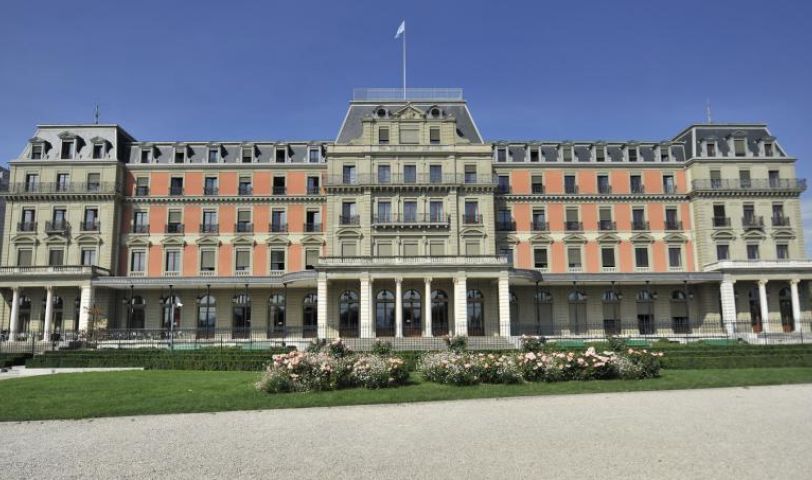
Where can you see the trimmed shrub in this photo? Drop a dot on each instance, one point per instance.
(529, 343)
(374, 371)
(457, 343)
(381, 347)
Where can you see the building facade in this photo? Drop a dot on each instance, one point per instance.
(409, 224)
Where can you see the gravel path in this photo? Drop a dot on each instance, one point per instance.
(740, 433)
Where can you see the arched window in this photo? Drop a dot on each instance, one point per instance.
(680, 322)
(785, 308)
(754, 302)
(277, 315)
(310, 322)
(645, 312)
(412, 314)
(578, 313)
(138, 317)
(544, 312)
(348, 314)
(171, 309)
(439, 313)
(385, 314)
(241, 316)
(476, 313)
(206, 316)
(611, 313)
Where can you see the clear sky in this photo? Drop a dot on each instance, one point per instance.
(239, 69)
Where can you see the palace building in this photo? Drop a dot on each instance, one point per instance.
(409, 224)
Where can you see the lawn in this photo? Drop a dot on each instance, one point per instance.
(86, 395)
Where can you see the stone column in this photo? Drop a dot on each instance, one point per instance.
(14, 320)
(321, 306)
(503, 289)
(85, 304)
(427, 308)
(460, 306)
(796, 304)
(728, 301)
(365, 308)
(762, 303)
(398, 307)
(49, 314)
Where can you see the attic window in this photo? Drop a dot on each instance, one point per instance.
(501, 154)
(567, 154)
(665, 153)
(381, 113)
(738, 147)
(314, 154)
(247, 154)
(632, 154)
(600, 154)
(768, 150)
(435, 112)
(534, 154)
(214, 155)
(146, 156)
(281, 155)
(383, 135)
(180, 155)
(710, 146)
(68, 149)
(98, 151)
(37, 151)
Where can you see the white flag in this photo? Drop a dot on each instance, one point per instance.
(401, 29)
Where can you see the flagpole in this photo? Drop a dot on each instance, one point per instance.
(404, 63)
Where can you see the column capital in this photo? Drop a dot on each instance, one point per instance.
(49, 288)
(427, 280)
(762, 282)
(794, 281)
(398, 280)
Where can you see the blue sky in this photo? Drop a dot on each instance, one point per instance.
(239, 69)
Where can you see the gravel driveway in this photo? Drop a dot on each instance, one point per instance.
(741, 433)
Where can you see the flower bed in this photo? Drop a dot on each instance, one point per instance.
(470, 369)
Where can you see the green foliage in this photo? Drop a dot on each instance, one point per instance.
(530, 343)
(457, 343)
(381, 347)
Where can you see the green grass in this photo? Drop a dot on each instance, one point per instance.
(87, 395)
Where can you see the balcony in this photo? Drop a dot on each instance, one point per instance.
(244, 227)
(571, 189)
(209, 228)
(141, 191)
(89, 226)
(503, 189)
(537, 189)
(506, 226)
(471, 219)
(604, 189)
(762, 184)
(244, 190)
(540, 226)
(573, 226)
(670, 189)
(65, 188)
(780, 221)
(175, 190)
(14, 272)
(313, 190)
(721, 222)
(606, 225)
(638, 189)
(405, 221)
(26, 226)
(312, 227)
(277, 227)
(349, 220)
(640, 225)
(279, 190)
(671, 224)
(753, 222)
(57, 226)
(414, 261)
(173, 228)
(211, 191)
(421, 179)
(140, 228)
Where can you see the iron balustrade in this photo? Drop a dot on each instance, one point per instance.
(780, 221)
(540, 226)
(638, 189)
(605, 189)
(639, 225)
(211, 191)
(65, 187)
(173, 228)
(245, 190)
(721, 221)
(279, 190)
(349, 220)
(141, 191)
(58, 226)
(537, 188)
(277, 227)
(733, 184)
(396, 179)
(669, 189)
(209, 228)
(503, 189)
(91, 226)
(753, 221)
(244, 227)
(506, 226)
(673, 224)
(571, 189)
(313, 190)
(140, 228)
(416, 219)
(606, 225)
(175, 191)
(26, 226)
(471, 219)
(312, 227)
(573, 226)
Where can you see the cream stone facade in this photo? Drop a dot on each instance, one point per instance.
(410, 226)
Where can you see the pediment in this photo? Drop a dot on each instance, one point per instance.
(511, 239)
(56, 240)
(409, 112)
(173, 241)
(24, 239)
(277, 240)
(642, 238)
(349, 233)
(472, 232)
(754, 235)
(208, 240)
(574, 238)
(87, 239)
(313, 240)
(675, 238)
(608, 238)
(783, 235)
(541, 238)
(66, 135)
(138, 242)
(244, 240)
(723, 235)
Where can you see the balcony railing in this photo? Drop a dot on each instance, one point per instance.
(416, 220)
(58, 226)
(735, 184)
(673, 225)
(89, 226)
(537, 188)
(312, 227)
(640, 225)
(503, 189)
(65, 187)
(244, 227)
(418, 179)
(140, 228)
(175, 190)
(669, 188)
(349, 220)
(245, 190)
(604, 189)
(53, 269)
(26, 226)
(211, 191)
(141, 191)
(415, 260)
(279, 190)
(638, 189)
(277, 227)
(721, 221)
(606, 225)
(780, 221)
(471, 219)
(173, 228)
(573, 226)
(506, 226)
(753, 221)
(540, 226)
(313, 190)
(209, 228)
(571, 189)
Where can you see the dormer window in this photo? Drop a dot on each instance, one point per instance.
(146, 155)
(247, 154)
(281, 154)
(501, 154)
(98, 151)
(68, 149)
(567, 153)
(739, 147)
(710, 147)
(214, 155)
(180, 155)
(600, 154)
(665, 153)
(632, 154)
(435, 112)
(314, 154)
(534, 154)
(383, 135)
(768, 149)
(37, 151)
(380, 113)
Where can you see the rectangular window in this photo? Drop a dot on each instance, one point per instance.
(138, 261)
(32, 182)
(501, 154)
(279, 221)
(176, 186)
(349, 213)
(722, 252)
(93, 182)
(146, 156)
(574, 257)
(470, 174)
(180, 155)
(173, 224)
(281, 154)
(534, 155)
(752, 252)
(410, 211)
(314, 154)
(384, 174)
(214, 155)
(242, 260)
(88, 256)
(68, 147)
(410, 249)
(711, 148)
(62, 182)
(569, 184)
(209, 221)
(172, 261)
(56, 257)
(277, 260)
(471, 211)
(348, 174)
(279, 186)
(641, 257)
(384, 211)
(383, 136)
(313, 185)
(24, 257)
(600, 154)
(349, 249)
(472, 248)
(244, 186)
(436, 211)
(608, 257)
(633, 154)
(437, 249)
(436, 173)
(36, 151)
(567, 154)
(665, 153)
(668, 184)
(434, 135)
(98, 151)
(207, 260)
(311, 259)
(503, 185)
(738, 147)
(603, 184)
(409, 173)
(210, 186)
(409, 135)
(744, 178)
(768, 149)
(540, 257)
(537, 184)
(247, 154)
(675, 257)
(636, 183)
(782, 251)
(142, 186)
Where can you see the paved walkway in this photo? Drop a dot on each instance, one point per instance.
(739, 433)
